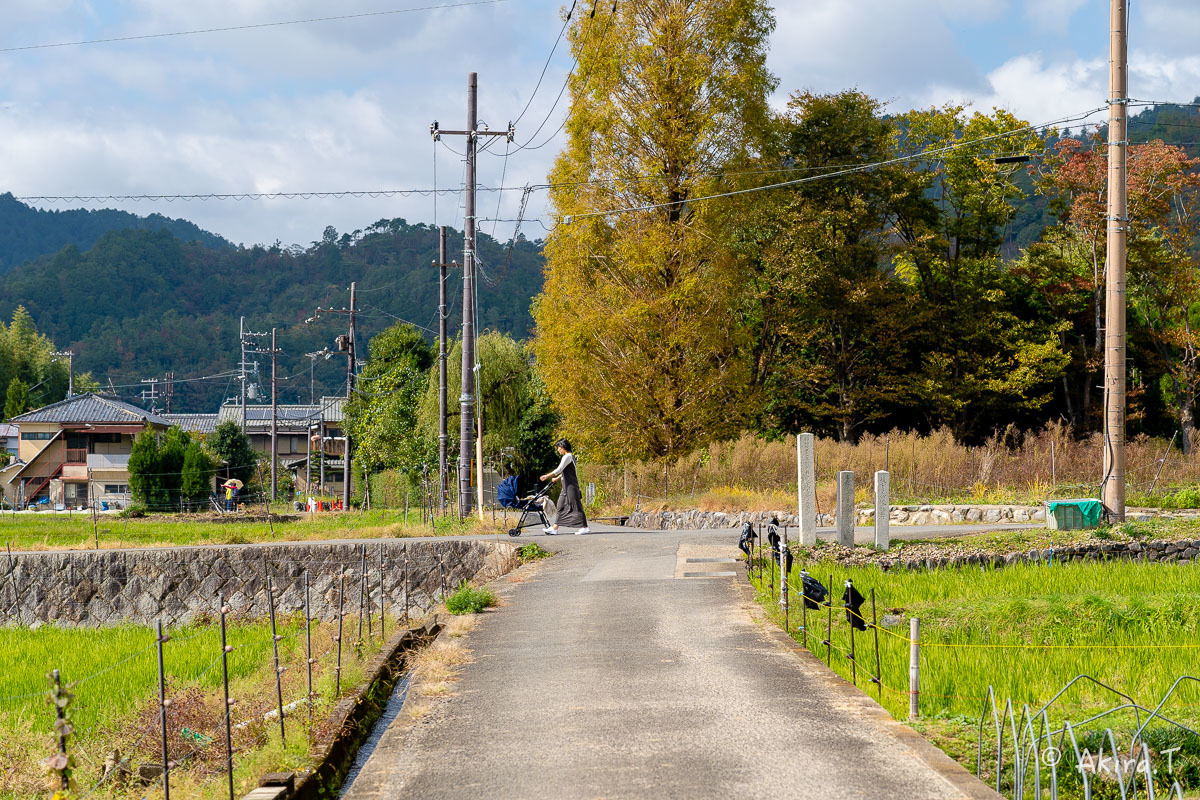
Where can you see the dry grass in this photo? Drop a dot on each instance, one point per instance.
(436, 668)
(751, 473)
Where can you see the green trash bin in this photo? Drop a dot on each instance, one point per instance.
(1073, 515)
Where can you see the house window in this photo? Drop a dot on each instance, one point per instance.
(36, 436)
(116, 488)
(106, 438)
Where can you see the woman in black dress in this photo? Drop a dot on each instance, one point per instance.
(570, 500)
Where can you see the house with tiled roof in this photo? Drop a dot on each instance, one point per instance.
(302, 432)
(76, 451)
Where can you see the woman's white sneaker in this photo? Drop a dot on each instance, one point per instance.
(582, 531)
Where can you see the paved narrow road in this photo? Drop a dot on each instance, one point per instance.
(609, 674)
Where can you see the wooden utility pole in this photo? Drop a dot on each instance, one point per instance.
(1113, 487)
(467, 399)
(345, 344)
(443, 437)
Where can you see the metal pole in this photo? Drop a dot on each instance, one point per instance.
(803, 612)
(308, 460)
(443, 437)
(60, 714)
(350, 375)
(406, 619)
(875, 629)
(362, 588)
(242, 368)
(783, 585)
(382, 602)
(225, 651)
(1156, 473)
(853, 659)
(322, 424)
(308, 643)
(467, 399)
(914, 668)
(829, 627)
(337, 690)
(162, 713)
(275, 637)
(274, 421)
(1115, 303)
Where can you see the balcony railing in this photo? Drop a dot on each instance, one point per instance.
(77, 456)
(108, 461)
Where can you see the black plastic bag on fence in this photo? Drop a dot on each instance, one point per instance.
(746, 540)
(853, 600)
(779, 549)
(814, 591)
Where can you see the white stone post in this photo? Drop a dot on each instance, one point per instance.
(883, 509)
(845, 508)
(806, 474)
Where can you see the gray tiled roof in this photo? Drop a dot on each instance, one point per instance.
(193, 423)
(95, 408)
(290, 416)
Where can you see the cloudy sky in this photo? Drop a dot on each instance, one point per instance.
(346, 105)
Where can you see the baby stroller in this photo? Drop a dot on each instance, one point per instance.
(531, 505)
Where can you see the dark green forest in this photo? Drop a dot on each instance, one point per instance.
(27, 233)
(142, 302)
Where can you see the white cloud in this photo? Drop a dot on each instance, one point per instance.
(1052, 15)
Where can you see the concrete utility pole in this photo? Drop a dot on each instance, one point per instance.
(169, 391)
(345, 344)
(1113, 492)
(443, 437)
(69, 355)
(467, 399)
(274, 353)
(245, 338)
(151, 394)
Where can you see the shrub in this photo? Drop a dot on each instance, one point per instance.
(135, 510)
(532, 552)
(466, 600)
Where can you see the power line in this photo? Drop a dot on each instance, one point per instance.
(337, 195)
(250, 26)
(546, 66)
(924, 155)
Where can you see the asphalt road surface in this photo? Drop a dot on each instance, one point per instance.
(616, 671)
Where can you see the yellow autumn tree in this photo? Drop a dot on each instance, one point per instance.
(637, 337)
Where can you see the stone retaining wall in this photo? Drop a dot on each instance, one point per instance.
(1183, 551)
(179, 584)
(899, 515)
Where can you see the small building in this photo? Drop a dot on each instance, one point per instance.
(10, 438)
(76, 451)
(299, 430)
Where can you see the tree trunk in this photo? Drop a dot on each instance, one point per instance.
(1187, 419)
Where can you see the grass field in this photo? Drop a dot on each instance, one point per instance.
(51, 531)
(1024, 630)
(113, 674)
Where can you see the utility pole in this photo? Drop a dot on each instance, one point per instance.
(169, 391)
(246, 338)
(312, 371)
(69, 355)
(345, 344)
(274, 353)
(151, 394)
(1113, 488)
(467, 399)
(443, 438)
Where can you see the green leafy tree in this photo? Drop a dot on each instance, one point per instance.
(233, 448)
(630, 338)
(16, 400)
(171, 455)
(198, 470)
(144, 470)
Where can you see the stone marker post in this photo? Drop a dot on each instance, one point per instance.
(882, 509)
(845, 507)
(806, 473)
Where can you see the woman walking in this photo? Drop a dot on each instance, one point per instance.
(570, 500)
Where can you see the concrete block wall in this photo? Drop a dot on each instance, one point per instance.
(178, 585)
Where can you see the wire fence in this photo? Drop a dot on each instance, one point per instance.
(181, 728)
(1027, 749)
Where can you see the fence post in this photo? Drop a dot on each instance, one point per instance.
(783, 584)
(308, 644)
(337, 689)
(407, 621)
(275, 637)
(225, 651)
(829, 627)
(803, 610)
(853, 655)
(61, 701)
(362, 588)
(875, 629)
(382, 601)
(163, 703)
(914, 668)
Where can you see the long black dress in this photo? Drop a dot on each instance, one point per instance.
(570, 499)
